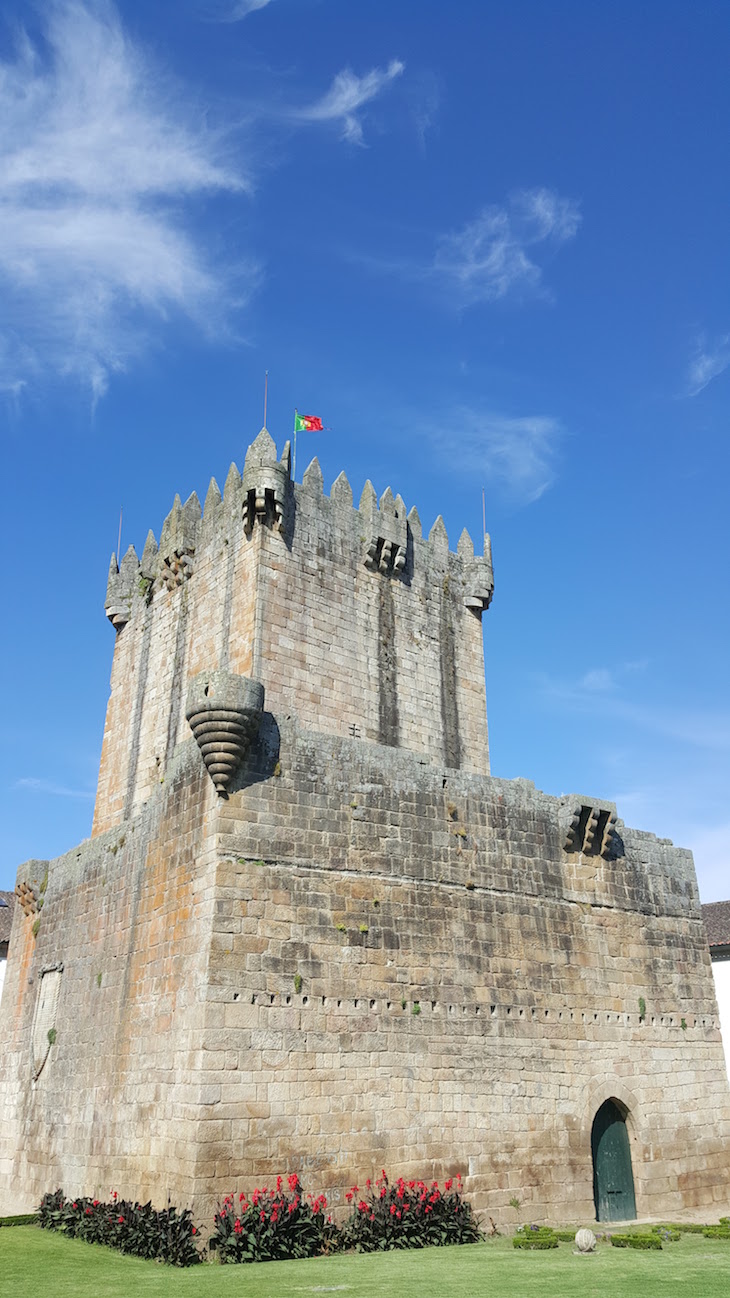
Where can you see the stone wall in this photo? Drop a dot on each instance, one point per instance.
(118, 1100)
(344, 646)
(470, 993)
(369, 953)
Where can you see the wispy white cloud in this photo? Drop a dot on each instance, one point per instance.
(347, 95)
(233, 13)
(96, 148)
(493, 255)
(710, 358)
(599, 689)
(517, 454)
(34, 785)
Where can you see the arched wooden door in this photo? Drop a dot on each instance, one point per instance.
(613, 1178)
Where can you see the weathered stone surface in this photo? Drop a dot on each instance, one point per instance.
(372, 953)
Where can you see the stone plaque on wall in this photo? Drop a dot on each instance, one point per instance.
(44, 1023)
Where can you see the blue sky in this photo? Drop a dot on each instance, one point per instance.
(486, 242)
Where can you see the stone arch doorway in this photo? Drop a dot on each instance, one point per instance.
(613, 1177)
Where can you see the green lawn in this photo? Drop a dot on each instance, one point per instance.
(34, 1262)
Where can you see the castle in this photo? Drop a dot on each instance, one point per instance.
(311, 933)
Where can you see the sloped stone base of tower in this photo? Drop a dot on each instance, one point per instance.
(362, 959)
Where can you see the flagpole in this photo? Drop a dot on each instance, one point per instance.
(266, 393)
(484, 524)
(119, 542)
(294, 455)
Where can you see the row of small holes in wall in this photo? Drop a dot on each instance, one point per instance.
(664, 1020)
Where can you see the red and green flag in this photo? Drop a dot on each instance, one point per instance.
(307, 423)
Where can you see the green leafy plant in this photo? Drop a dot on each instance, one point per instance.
(163, 1236)
(403, 1004)
(341, 928)
(364, 928)
(514, 1202)
(98, 979)
(273, 1224)
(636, 1241)
(416, 1008)
(52, 1034)
(36, 926)
(298, 980)
(721, 1231)
(683, 1025)
(408, 1214)
(642, 1009)
(535, 1238)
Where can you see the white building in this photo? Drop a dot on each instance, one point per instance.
(7, 903)
(717, 923)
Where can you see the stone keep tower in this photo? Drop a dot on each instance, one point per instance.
(310, 932)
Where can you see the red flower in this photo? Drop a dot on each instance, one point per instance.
(392, 1210)
(87, 1211)
(237, 1227)
(278, 1184)
(195, 1230)
(367, 1183)
(262, 1215)
(349, 1196)
(363, 1206)
(411, 1185)
(293, 1181)
(120, 1220)
(74, 1205)
(96, 1203)
(448, 1184)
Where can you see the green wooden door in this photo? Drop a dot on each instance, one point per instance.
(613, 1179)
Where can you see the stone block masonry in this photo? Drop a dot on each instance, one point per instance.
(364, 950)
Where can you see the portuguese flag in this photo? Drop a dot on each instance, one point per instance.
(307, 423)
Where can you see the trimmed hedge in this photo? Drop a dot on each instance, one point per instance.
(23, 1219)
(684, 1228)
(535, 1238)
(669, 1234)
(636, 1241)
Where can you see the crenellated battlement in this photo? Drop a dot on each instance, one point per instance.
(265, 494)
(347, 617)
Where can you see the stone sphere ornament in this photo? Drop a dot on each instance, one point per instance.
(585, 1241)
